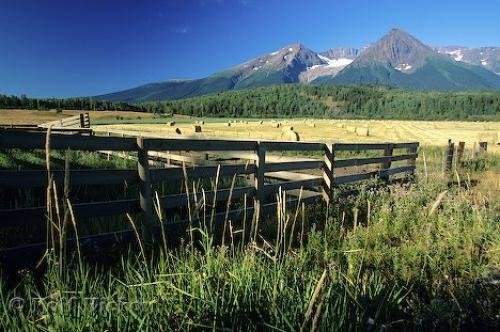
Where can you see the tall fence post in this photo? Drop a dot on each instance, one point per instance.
(460, 153)
(145, 193)
(449, 156)
(260, 163)
(389, 149)
(328, 169)
(82, 121)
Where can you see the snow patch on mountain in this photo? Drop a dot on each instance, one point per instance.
(340, 62)
(456, 54)
(403, 67)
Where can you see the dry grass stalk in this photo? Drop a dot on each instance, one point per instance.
(303, 217)
(314, 297)
(77, 237)
(139, 241)
(228, 206)
(50, 236)
(214, 202)
(297, 210)
(437, 202)
(159, 213)
(317, 314)
(244, 218)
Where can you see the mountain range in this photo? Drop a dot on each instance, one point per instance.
(397, 59)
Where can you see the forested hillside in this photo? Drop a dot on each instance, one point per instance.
(338, 102)
(299, 100)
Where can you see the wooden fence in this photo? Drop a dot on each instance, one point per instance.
(73, 125)
(329, 172)
(81, 120)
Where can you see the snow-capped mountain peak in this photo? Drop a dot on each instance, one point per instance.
(486, 57)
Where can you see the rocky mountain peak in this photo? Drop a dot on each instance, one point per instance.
(397, 49)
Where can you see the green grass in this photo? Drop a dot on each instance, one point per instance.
(400, 259)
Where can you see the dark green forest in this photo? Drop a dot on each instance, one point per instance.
(88, 104)
(296, 100)
(364, 102)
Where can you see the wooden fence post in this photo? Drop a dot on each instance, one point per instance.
(260, 163)
(387, 164)
(483, 147)
(449, 156)
(413, 161)
(82, 121)
(328, 169)
(460, 153)
(145, 194)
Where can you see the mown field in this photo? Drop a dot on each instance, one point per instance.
(426, 132)
(21, 116)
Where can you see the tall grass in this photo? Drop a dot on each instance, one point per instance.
(380, 261)
(413, 257)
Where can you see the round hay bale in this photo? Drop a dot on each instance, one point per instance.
(350, 129)
(178, 131)
(311, 124)
(229, 124)
(171, 123)
(197, 129)
(363, 131)
(285, 128)
(261, 122)
(290, 135)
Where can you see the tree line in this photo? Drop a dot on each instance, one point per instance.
(297, 100)
(361, 101)
(89, 104)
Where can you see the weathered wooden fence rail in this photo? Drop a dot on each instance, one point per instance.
(81, 120)
(329, 173)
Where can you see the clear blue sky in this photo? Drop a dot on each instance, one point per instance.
(87, 47)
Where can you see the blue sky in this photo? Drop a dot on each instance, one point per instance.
(86, 47)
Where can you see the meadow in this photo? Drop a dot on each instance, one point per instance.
(434, 133)
(339, 130)
(422, 255)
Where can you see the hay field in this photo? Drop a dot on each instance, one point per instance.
(426, 132)
(17, 117)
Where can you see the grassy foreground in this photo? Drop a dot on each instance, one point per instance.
(425, 256)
